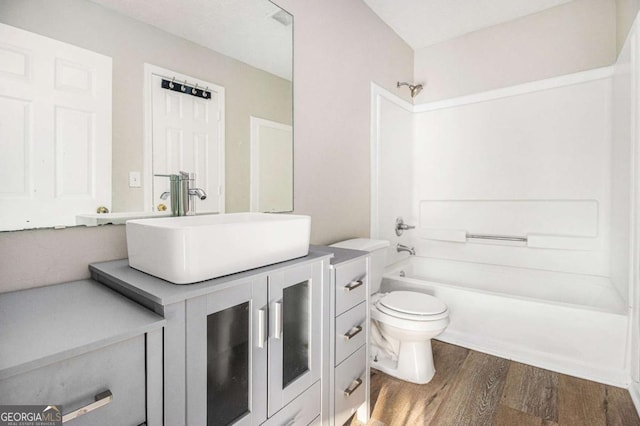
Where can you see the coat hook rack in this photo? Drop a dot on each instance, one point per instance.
(186, 88)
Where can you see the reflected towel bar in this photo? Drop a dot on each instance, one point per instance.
(497, 237)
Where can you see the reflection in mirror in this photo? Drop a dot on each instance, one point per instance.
(56, 146)
(271, 166)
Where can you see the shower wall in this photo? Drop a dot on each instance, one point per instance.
(625, 230)
(534, 161)
(392, 183)
(622, 157)
(530, 161)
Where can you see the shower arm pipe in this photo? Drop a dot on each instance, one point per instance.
(497, 237)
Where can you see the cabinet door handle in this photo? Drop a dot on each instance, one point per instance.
(353, 285)
(353, 332)
(277, 319)
(262, 323)
(352, 388)
(101, 399)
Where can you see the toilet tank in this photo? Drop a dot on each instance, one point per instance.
(378, 250)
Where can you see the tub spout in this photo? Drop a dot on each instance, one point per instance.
(402, 247)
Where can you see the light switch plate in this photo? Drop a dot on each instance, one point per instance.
(134, 180)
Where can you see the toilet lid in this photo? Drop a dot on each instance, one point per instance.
(413, 303)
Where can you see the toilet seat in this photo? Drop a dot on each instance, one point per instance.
(412, 306)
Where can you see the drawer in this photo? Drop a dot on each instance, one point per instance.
(349, 291)
(74, 382)
(349, 395)
(351, 331)
(303, 410)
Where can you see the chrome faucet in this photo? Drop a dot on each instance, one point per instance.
(182, 195)
(189, 194)
(410, 250)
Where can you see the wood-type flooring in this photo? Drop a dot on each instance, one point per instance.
(476, 389)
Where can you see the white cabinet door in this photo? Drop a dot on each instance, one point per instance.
(55, 130)
(294, 333)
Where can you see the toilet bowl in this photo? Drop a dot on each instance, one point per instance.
(402, 322)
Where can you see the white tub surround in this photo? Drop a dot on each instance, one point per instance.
(625, 232)
(517, 313)
(546, 170)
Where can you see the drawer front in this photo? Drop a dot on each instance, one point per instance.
(351, 331)
(74, 382)
(303, 410)
(349, 291)
(349, 395)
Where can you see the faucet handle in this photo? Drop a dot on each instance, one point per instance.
(401, 226)
(187, 175)
(171, 177)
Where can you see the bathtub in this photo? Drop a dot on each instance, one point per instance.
(570, 323)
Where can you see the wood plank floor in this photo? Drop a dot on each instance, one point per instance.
(475, 389)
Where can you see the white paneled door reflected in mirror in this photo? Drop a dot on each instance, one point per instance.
(76, 122)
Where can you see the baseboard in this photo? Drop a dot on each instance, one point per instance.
(634, 391)
(547, 361)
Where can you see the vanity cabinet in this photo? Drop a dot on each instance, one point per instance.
(262, 347)
(94, 354)
(244, 349)
(347, 387)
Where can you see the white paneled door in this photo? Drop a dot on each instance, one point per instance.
(271, 184)
(55, 131)
(187, 135)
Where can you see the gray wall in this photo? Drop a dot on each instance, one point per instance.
(626, 11)
(572, 37)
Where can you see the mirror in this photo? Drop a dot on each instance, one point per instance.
(240, 52)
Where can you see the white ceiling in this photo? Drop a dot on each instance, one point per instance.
(241, 29)
(425, 22)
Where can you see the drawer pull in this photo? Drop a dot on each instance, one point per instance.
(101, 399)
(353, 285)
(353, 332)
(352, 388)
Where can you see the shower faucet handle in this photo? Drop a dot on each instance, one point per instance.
(401, 226)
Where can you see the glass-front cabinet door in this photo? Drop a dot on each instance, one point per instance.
(294, 333)
(227, 372)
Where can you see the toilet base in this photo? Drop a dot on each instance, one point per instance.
(414, 363)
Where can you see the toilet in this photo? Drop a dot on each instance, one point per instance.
(402, 322)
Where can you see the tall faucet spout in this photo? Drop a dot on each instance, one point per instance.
(410, 250)
(198, 193)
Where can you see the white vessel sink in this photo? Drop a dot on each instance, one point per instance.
(188, 249)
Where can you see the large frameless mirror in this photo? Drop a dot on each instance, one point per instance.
(87, 117)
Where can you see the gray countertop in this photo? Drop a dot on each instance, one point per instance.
(44, 325)
(340, 255)
(161, 292)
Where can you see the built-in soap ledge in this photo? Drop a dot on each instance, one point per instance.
(559, 242)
